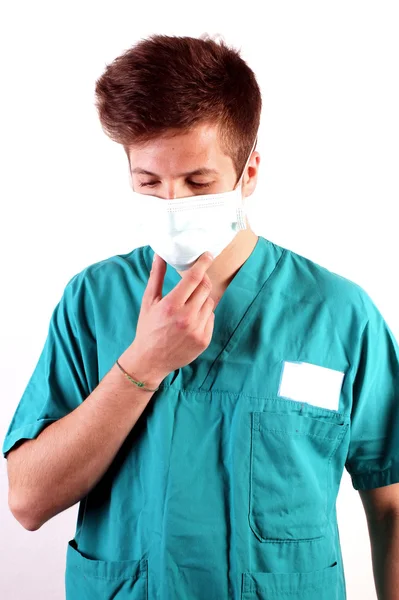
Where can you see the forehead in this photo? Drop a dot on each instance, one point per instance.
(184, 151)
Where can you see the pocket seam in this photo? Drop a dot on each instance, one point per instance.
(249, 586)
(297, 434)
(142, 573)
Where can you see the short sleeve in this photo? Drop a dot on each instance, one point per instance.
(373, 457)
(65, 373)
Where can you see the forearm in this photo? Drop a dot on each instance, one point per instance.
(68, 458)
(384, 538)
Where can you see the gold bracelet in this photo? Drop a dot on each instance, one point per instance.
(139, 384)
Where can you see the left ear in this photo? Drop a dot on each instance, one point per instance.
(250, 177)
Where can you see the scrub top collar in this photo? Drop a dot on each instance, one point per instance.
(239, 298)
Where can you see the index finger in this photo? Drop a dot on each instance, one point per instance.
(191, 279)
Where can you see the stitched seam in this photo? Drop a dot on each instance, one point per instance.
(367, 473)
(261, 588)
(295, 434)
(124, 577)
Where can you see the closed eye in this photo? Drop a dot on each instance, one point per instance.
(199, 185)
(192, 183)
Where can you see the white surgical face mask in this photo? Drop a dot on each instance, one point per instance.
(181, 230)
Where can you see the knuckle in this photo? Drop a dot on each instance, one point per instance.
(206, 283)
(210, 301)
(200, 339)
(204, 342)
(169, 309)
(194, 276)
(183, 322)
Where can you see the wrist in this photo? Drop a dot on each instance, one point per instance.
(140, 369)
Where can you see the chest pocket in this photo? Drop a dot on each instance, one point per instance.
(290, 475)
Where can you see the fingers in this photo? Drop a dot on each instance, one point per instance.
(199, 295)
(208, 329)
(190, 280)
(206, 311)
(153, 291)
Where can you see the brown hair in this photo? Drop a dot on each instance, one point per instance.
(166, 83)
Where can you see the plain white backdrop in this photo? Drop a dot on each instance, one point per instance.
(328, 185)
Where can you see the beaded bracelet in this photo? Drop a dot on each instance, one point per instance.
(139, 384)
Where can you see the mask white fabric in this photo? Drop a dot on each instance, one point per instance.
(182, 229)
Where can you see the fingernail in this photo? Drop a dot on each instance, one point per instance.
(154, 257)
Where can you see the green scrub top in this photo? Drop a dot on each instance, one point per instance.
(226, 487)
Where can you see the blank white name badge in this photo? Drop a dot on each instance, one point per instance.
(305, 382)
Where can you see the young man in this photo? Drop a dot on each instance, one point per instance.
(203, 410)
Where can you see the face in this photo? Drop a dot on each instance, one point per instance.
(188, 164)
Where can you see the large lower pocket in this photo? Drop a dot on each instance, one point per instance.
(88, 579)
(317, 585)
(290, 475)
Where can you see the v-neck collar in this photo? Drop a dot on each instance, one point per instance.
(237, 298)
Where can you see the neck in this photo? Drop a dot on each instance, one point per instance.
(226, 265)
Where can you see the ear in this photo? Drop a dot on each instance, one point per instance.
(250, 177)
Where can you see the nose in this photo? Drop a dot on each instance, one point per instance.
(170, 190)
(173, 190)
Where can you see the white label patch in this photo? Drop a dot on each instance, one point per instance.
(305, 382)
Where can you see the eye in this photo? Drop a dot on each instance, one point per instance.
(192, 183)
(199, 185)
(150, 184)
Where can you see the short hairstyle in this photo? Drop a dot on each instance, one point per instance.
(167, 84)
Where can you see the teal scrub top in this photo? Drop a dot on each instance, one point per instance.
(225, 488)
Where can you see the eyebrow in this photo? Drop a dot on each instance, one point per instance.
(202, 171)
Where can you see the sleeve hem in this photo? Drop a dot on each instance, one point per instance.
(367, 481)
(28, 432)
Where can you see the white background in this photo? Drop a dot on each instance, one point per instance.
(328, 186)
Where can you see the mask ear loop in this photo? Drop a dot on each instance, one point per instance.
(246, 164)
(241, 212)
